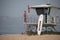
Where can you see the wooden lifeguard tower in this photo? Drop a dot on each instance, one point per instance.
(47, 18)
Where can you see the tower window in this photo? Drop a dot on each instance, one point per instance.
(43, 11)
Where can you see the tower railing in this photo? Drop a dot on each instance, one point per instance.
(34, 20)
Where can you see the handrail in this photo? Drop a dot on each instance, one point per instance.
(51, 20)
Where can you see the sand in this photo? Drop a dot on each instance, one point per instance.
(28, 37)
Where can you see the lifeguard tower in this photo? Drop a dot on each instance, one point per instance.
(47, 17)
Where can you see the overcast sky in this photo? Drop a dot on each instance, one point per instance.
(11, 14)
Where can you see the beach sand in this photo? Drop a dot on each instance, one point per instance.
(28, 37)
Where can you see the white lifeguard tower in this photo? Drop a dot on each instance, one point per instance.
(47, 18)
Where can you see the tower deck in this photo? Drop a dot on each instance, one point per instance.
(44, 25)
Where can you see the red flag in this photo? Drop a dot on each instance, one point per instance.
(24, 15)
(28, 8)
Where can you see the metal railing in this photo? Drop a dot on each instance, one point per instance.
(50, 20)
(32, 20)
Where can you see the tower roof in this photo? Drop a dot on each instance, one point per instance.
(44, 6)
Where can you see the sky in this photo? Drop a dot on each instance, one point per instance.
(11, 14)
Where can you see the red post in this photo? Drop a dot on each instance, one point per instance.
(24, 15)
(28, 8)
